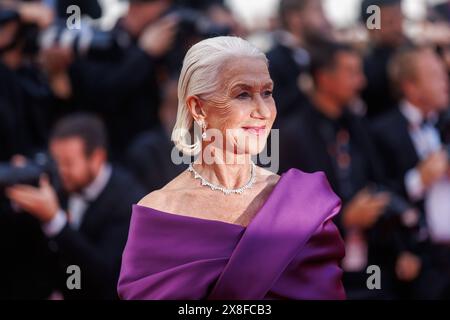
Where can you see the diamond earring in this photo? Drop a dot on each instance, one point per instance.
(203, 126)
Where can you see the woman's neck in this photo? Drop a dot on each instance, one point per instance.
(232, 171)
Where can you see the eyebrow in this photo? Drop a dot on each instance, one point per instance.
(247, 86)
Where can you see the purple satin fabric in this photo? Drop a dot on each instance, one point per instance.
(290, 250)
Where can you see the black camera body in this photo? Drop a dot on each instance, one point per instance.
(25, 34)
(193, 26)
(80, 41)
(8, 15)
(29, 173)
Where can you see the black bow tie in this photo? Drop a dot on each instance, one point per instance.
(427, 123)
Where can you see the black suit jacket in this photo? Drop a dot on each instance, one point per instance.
(394, 144)
(98, 244)
(285, 71)
(391, 135)
(303, 146)
(25, 107)
(27, 266)
(378, 94)
(396, 149)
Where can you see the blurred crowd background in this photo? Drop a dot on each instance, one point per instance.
(86, 117)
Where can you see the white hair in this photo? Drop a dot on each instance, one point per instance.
(200, 76)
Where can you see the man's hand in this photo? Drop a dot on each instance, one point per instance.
(364, 209)
(158, 38)
(408, 266)
(433, 168)
(56, 61)
(40, 202)
(35, 12)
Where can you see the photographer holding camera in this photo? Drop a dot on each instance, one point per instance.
(119, 81)
(25, 97)
(25, 116)
(86, 222)
(116, 73)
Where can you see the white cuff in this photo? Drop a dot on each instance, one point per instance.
(414, 185)
(55, 226)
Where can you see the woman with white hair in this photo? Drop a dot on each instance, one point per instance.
(226, 228)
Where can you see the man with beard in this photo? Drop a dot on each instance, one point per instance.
(88, 226)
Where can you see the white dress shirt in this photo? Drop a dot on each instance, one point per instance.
(78, 204)
(426, 140)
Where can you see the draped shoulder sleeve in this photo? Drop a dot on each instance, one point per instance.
(315, 272)
(290, 250)
(172, 257)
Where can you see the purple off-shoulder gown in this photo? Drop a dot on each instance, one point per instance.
(290, 250)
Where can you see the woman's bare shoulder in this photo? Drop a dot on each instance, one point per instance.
(160, 199)
(268, 176)
(154, 200)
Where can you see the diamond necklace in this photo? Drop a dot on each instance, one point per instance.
(240, 190)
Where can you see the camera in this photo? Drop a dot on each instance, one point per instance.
(193, 26)
(81, 41)
(7, 15)
(29, 173)
(86, 40)
(24, 34)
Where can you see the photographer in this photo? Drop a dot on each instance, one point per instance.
(416, 161)
(334, 139)
(87, 225)
(25, 96)
(118, 83)
(25, 99)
